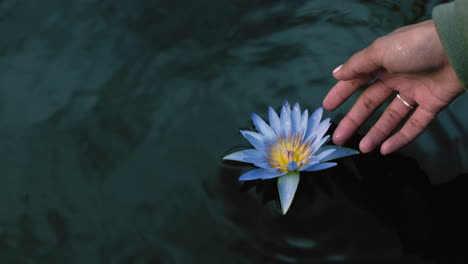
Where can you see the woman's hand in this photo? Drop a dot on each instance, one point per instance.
(410, 61)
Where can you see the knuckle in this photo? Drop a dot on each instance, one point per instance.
(355, 82)
(353, 67)
(416, 123)
(393, 115)
(368, 103)
(404, 137)
(381, 132)
(377, 48)
(353, 121)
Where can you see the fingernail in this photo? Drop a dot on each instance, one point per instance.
(384, 149)
(337, 68)
(338, 138)
(365, 146)
(383, 152)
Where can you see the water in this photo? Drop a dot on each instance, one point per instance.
(114, 116)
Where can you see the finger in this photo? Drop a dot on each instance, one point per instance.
(395, 113)
(365, 105)
(415, 125)
(363, 63)
(342, 91)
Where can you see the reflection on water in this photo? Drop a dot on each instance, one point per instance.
(114, 116)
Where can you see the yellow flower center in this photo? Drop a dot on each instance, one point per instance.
(285, 150)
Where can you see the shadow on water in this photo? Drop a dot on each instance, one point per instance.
(370, 207)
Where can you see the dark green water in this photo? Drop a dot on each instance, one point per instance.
(114, 116)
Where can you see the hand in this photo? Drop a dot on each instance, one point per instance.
(410, 61)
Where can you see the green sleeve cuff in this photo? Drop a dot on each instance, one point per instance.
(451, 35)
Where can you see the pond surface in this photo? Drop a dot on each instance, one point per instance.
(114, 116)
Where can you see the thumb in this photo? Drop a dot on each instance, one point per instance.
(363, 63)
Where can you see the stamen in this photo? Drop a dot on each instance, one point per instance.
(289, 151)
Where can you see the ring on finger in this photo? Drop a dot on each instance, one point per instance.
(404, 102)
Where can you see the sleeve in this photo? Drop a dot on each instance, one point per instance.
(451, 21)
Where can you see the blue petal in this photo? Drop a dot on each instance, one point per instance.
(285, 119)
(324, 154)
(318, 143)
(319, 166)
(255, 139)
(252, 156)
(237, 156)
(309, 165)
(274, 120)
(256, 174)
(272, 174)
(287, 186)
(305, 119)
(286, 105)
(296, 119)
(263, 127)
(321, 129)
(259, 162)
(314, 121)
(339, 153)
(292, 166)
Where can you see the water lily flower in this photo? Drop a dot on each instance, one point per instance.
(292, 143)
